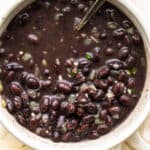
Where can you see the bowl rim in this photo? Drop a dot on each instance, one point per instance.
(39, 143)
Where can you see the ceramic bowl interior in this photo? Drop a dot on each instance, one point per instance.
(120, 133)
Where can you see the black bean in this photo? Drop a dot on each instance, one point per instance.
(88, 119)
(114, 110)
(20, 118)
(98, 95)
(116, 64)
(103, 71)
(63, 106)
(55, 104)
(13, 66)
(102, 129)
(26, 112)
(10, 76)
(131, 61)
(109, 121)
(110, 80)
(23, 77)
(76, 138)
(32, 94)
(126, 24)
(86, 70)
(32, 82)
(80, 77)
(131, 83)
(128, 39)
(84, 128)
(103, 114)
(92, 108)
(64, 86)
(93, 135)
(84, 62)
(17, 102)
(119, 32)
(102, 84)
(22, 19)
(9, 106)
(44, 104)
(53, 116)
(123, 53)
(82, 99)
(80, 112)
(71, 108)
(105, 104)
(67, 137)
(74, 1)
(15, 88)
(122, 76)
(118, 88)
(72, 124)
(110, 13)
(33, 123)
(25, 99)
(136, 39)
(127, 100)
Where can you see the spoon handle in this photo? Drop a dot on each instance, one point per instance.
(93, 9)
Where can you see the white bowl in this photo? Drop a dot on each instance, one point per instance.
(109, 140)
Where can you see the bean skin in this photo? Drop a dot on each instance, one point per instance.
(80, 112)
(103, 114)
(9, 106)
(14, 67)
(91, 108)
(32, 82)
(118, 88)
(71, 125)
(44, 105)
(64, 86)
(17, 102)
(102, 129)
(127, 100)
(10, 76)
(103, 72)
(67, 137)
(88, 119)
(93, 135)
(20, 118)
(71, 108)
(15, 88)
(82, 99)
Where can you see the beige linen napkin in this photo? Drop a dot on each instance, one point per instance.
(140, 140)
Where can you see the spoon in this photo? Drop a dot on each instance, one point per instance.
(92, 10)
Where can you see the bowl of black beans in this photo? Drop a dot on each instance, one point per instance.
(61, 88)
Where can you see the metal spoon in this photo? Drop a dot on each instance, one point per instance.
(93, 9)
